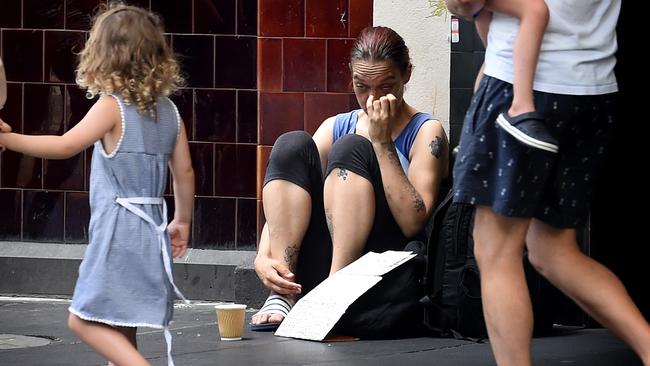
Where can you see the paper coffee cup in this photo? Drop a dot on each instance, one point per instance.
(230, 318)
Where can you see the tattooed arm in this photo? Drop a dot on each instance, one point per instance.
(411, 198)
(429, 158)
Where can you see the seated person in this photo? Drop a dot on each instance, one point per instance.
(382, 167)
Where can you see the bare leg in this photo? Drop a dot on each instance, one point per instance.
(555, 254)
(107, 341)
(287, 208)
(130, 334)
(350, 211)
(499, 245)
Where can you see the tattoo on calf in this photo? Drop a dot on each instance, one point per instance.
(343, 173)
(330, 224)
(291, 256)
(436, 147)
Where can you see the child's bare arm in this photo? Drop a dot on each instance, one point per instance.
(528, 10)
(102, 117)
(533, 18)
(4, 128)
(180, 165)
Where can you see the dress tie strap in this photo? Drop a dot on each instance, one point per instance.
(129, 203)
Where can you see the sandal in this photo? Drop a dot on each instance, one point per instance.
(274, 304)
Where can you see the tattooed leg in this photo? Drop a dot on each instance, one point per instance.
(286, 231)
(291, 256)
(330, 224)
(343, 173)
(350, 212)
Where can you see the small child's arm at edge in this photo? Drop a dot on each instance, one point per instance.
(522, 9)
(102, 117)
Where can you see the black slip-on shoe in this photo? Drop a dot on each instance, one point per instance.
(529, 129)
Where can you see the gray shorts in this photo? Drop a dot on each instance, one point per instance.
(493, 169)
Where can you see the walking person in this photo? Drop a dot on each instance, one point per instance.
(125, 279)
(529, 199)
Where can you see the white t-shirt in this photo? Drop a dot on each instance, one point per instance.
(577, 55)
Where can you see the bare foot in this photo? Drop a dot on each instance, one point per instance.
(267, 318)
(275, 308)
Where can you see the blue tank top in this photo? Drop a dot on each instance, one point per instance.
(346, 123)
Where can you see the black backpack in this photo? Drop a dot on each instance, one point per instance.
(452, 291)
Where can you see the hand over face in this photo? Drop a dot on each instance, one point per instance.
(381, 115)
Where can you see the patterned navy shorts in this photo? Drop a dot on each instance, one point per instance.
(493, 169)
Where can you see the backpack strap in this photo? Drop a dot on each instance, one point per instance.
(432, 283)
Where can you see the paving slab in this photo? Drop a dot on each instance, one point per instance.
(196, 342)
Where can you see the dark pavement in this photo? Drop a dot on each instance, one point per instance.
(196, 342)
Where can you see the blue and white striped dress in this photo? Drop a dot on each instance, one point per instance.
(125, 276)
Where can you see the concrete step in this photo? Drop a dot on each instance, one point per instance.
(51, 269)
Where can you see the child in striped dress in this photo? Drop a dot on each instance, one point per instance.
(125, 279)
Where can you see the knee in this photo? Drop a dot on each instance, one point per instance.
(546, 254)
(353, 151)
(352, 144)
(290, 146)
(491, 254)
(536, 259)
(486, 251)
(293, 141)
(483, 256)
(74, 323)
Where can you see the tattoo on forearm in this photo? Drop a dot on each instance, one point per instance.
(392, 153)
(330, 224)
(343, 173)
(291, 256)
(436, 147)
(418, 203)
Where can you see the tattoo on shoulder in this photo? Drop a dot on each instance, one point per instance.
(343, 173)
(436, 147)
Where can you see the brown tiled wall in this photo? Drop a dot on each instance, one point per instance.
(302, 66)
(295, 71)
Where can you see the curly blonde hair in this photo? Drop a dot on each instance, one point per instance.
(127, 54)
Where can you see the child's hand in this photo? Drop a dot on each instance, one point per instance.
(3, 128)
(180, 236)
